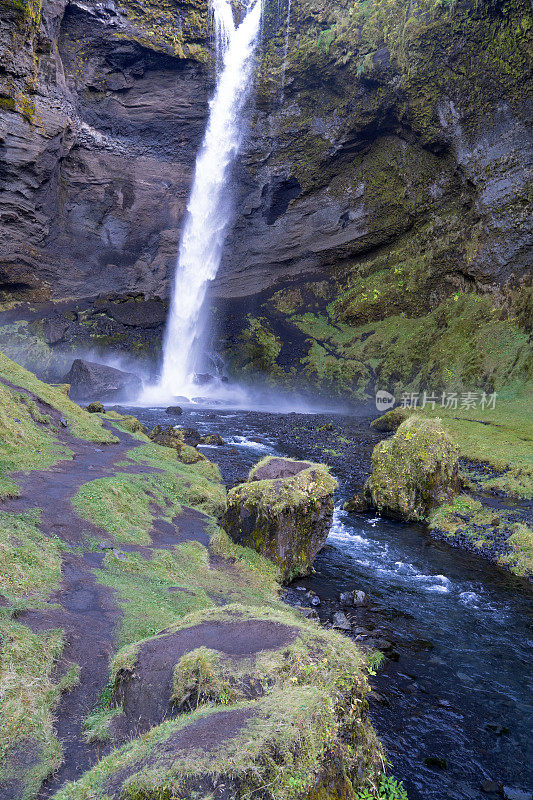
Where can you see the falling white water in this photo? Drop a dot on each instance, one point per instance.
(208, 211)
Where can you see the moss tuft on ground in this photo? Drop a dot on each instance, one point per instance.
(80, 422)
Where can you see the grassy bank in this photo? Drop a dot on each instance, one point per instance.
(300, 708)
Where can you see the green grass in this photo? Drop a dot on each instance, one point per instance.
(28, 441)
(126, 505)
(143, 587)
(29, 695)
(197, 484)
(30, 570)
(520, 559)
(30, 563)
(500, 437)
(81, 423)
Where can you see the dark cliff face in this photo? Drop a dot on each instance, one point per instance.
(389, 117)
(383, 229)
(103, 108)
(382, 193)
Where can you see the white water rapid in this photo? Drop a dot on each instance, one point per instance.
(208, 210)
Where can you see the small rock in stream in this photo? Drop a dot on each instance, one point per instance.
(490, 787)
(313, 598)
(308, 613)
(355, 598)
(436, 761)
(341, 621)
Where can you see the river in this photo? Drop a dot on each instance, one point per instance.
(453, 702)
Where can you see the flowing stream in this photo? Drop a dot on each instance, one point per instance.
(453, 703)
(209, 207)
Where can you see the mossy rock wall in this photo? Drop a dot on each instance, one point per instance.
(385, 192)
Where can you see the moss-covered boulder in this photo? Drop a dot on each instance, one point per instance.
(283, 511)
(246, 702)
(95, 408)
(415, 470)
(175, 438)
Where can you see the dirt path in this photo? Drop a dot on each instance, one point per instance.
(86, 610)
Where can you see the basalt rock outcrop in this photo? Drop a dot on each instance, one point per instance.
(89, 380)
(102, 110)
(382, 237)
(284, 511)
(380, 232)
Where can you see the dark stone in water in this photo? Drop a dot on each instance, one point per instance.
(174, 411)
(213, 438)
(341, 621)
(191, 436)
(308, 613)
(490, 787)
(436, 761)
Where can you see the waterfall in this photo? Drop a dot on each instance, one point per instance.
(208, 210)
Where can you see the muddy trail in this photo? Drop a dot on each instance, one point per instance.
(85, 610)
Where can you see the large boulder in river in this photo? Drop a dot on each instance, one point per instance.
(99, 382)
(284, 511)
(415, 470)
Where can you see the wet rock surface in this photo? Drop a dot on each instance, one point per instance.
(414, 471)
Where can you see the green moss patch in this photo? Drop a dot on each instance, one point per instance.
(30, 570)
(126, 505)
(500, 438)
(30, 563)
(520, 557)
(29, 750)
(81, 423)
(28, 439)
(487, 531)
